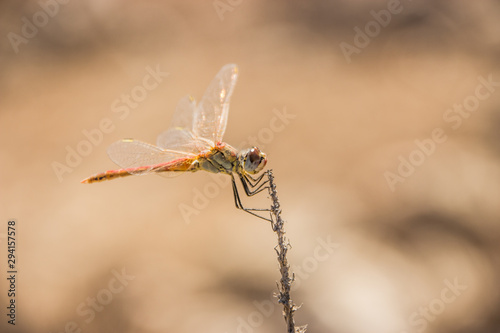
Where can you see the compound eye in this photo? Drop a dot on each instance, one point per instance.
(254, 157)
(255, 160)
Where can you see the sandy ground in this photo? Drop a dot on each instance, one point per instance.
(379, 118)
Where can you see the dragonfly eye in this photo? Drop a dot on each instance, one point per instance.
(255, 160)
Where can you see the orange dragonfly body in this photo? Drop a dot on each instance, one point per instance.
(194, 142)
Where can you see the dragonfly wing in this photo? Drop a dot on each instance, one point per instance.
(130, 153)
(182, 140)
(195, 128)
(210, 116)
(180, 136)
(184, 113)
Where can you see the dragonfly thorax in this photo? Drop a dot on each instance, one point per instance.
(252, 160)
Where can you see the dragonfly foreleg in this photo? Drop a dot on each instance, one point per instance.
(250, 189)
(239, 205)
(255, 180)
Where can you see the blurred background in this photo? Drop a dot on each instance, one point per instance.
(379, 118)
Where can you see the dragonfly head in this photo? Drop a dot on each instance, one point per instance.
(252, 160)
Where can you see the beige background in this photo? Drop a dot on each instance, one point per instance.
(352, 122)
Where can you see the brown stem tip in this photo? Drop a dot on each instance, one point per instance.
(285, 283)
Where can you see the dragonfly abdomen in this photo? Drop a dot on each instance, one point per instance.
(184, 164)
(108, 175)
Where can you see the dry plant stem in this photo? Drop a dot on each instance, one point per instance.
(286, 280)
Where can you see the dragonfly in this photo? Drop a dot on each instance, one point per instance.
(192, 143)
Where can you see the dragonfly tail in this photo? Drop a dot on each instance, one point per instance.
(108, 175)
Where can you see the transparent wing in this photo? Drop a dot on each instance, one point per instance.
(182, 140)
(210, 116)
(180, 136)
(184, 113)
(195, 128)
(130, 153)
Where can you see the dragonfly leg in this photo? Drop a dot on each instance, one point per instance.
(250, 189)
(253, 186)
(239, 205)
(255, 180)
